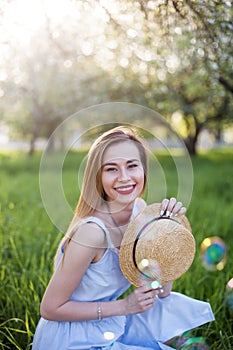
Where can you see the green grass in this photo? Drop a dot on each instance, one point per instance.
(28, 241)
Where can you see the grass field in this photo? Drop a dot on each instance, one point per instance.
(28, 241)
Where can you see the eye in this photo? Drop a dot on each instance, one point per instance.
(111, 169)
(133, 165)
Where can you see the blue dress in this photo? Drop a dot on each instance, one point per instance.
(104, 281)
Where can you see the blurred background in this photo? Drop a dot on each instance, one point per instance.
(57, 58)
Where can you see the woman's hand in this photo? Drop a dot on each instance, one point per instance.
(141, 299)
(170, 207)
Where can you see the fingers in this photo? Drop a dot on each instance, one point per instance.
(170, 207)
(149, 301)
(146, 296)
(141, 299)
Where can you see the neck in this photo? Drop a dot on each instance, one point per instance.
(119, 216)
(119, 207)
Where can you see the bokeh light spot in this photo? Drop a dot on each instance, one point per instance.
(11, 205)
(144, 263)
(155, 285)
(109, 335)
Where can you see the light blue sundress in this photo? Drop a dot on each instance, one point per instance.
(104, 281)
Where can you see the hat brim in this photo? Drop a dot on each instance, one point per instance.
(165, 250)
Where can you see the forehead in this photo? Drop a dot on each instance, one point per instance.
(124, 150)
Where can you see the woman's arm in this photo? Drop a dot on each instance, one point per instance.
(165, 290)
(86, 246)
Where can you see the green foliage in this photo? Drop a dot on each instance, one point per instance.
(28, 242)
(168, 55)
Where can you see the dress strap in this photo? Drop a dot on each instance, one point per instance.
(101, 225)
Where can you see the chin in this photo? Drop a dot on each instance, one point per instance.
(126, 200)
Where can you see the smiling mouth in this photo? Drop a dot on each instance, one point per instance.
(125, 189)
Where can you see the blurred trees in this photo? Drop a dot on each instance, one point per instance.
(173, 56)
(186, 54)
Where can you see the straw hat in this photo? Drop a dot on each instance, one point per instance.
(155, 248)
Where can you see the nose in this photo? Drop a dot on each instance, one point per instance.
(123, 176)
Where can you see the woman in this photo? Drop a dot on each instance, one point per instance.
(80, 308)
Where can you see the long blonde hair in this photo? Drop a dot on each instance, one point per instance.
(92, 192)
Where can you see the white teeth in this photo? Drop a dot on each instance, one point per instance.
(124, 188)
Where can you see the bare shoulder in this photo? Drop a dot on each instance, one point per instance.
(90, 234)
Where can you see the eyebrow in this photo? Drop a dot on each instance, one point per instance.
(128, 162)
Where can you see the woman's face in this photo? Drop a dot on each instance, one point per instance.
(122, 172)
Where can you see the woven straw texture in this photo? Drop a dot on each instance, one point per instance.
(167, 246)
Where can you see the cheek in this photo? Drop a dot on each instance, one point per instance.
(139, 175)
(106, 180)
(103, 180)
(141, 179)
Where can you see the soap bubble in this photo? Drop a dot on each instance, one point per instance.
(151, 271)
(196, 343)
(185, 342)
(229, 301)
(229, 296)
(213, 251)
(82, 128)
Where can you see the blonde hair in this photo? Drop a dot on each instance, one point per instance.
(92, 192)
